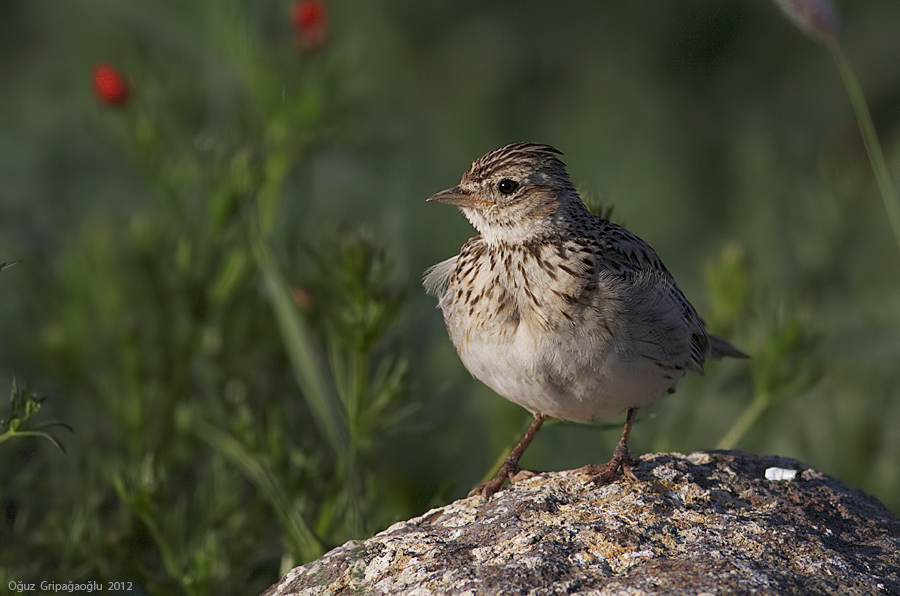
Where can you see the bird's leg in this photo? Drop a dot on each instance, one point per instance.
(620, 458)
(510, 467)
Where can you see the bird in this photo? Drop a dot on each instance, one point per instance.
(562, 312)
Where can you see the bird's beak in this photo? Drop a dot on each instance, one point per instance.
(457, 196)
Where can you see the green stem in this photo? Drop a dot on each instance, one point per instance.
(870, 138)
(168, 555)
(169, 560)
(32, 433)
(359, 386)
(305, 545)
(747, 419)
(298, 342)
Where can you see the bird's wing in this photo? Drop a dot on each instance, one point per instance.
(634, 261)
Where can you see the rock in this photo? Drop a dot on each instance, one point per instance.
(705, 523)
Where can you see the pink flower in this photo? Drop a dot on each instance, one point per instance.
(310, 21)
(110, 86)
(817, 18)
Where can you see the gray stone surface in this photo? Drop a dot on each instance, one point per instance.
(705, 523)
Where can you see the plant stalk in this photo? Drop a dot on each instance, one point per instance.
(886, 187)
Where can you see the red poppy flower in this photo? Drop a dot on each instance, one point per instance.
(309, 18)
(110, 86)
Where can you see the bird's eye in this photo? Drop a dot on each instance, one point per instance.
(507, 186)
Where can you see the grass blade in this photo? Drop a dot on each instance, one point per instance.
(321, 398)
(305, 545)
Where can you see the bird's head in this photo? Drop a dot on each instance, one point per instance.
(512, 194)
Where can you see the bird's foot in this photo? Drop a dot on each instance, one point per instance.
(621, 460)
(508, 470)
(601, 474)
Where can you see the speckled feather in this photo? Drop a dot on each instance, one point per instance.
(556, 309)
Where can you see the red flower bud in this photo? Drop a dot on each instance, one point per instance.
(303, 297)
(110, 86)
(309, 18)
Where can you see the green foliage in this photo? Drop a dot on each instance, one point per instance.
(250, 384)
(176, 334)
(779, 339)
(23, 405)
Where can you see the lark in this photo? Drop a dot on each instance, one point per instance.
(559, 311)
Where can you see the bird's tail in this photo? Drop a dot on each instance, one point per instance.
(720, 348)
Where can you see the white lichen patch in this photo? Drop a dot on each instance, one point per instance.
(378, 566)
(700, 458)
(780, 474)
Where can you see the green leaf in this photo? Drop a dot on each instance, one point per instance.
(323, 402)
(35, 433)
(230, 275)
(306, 546)
(23, 405)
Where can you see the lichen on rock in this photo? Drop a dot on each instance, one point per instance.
(709, 522)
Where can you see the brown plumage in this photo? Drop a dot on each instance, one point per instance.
(562, 312)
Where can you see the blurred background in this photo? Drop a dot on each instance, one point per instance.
(217, 215)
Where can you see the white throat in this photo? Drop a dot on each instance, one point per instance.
(494, 233)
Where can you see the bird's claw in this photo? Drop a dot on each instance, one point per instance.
(513, 473)
(601, 474)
